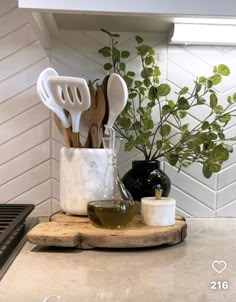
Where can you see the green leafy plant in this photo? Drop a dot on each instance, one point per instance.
(171, 136)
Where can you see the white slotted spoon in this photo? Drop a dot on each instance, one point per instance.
(117, 94)
(46, 98)
(73, 95)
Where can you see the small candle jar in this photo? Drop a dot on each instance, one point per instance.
(156, 212)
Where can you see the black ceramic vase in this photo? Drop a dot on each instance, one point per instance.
(144, 176)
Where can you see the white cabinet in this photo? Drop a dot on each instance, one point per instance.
(51, 16)
(167, 7)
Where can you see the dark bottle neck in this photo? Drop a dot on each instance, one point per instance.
(143, 164)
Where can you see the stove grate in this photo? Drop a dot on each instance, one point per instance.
(12, 226)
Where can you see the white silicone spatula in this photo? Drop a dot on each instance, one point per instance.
(71, 94)
(117, 94)
(46, 98)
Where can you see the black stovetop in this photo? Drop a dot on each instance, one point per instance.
(12, 228)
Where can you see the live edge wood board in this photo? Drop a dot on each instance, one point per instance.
(75, 231)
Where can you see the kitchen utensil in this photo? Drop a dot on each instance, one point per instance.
(75, 99)
(117, 93)
(94, 116)
(45, 96)
(63, 131)
(104, 88)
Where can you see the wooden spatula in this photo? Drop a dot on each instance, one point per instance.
(94, 116)
(63, 131)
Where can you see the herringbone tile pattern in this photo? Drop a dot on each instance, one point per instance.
(30, 142)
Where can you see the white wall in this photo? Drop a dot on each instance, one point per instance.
(30, 141)
(25, 137)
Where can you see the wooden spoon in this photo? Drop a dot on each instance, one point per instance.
(94, 115)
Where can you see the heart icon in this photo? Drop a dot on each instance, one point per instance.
(219, 266)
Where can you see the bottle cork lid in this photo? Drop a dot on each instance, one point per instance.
(158, 192)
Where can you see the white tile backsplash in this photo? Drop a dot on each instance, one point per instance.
(30, 141)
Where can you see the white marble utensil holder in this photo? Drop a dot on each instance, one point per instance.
(81, 174)
(158, 212)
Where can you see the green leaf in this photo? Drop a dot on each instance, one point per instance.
(202, 80)
(221, 135)
(183, 104)
(132, 95)
(206, 171)
(215, 126)
(184, 127)
(220, 153)
(107, 66)
(171, 104)
(143, 49)
(142, 90)
(166, 146)
(131, 74)
(165, 130)
(163, 90)
(205, 125)
(149, 60)
(172, 158)
(213, 100)
(115, 54)
(218, 109)
(165, 109)
(125, 54)
(125, 123)
(182, 114)
(216, 79)
(128, 81)
(159, 144)
(200, 100)
(138, 83)
(223, 70)
(139, 39)
(115, 35)
(209, 83)
(184, 90)
(153, 93)
(214, 167)
(107, 32)
(225, 118)
(140, 139)
(148, 123)
(105, 51)
(230, 100)
(212, 136)
(122, 66)
(156, 71)
(141, 111)
(146, 82)
(152, 52)
(129, 146)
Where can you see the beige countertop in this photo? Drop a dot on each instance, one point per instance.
(167, 274)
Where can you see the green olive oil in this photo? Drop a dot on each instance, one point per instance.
(112, 214)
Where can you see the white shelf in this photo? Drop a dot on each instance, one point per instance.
(51, 16)
(167, 7)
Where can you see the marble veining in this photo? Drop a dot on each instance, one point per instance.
(81, 172)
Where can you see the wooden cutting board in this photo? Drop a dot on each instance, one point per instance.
(76, 231)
